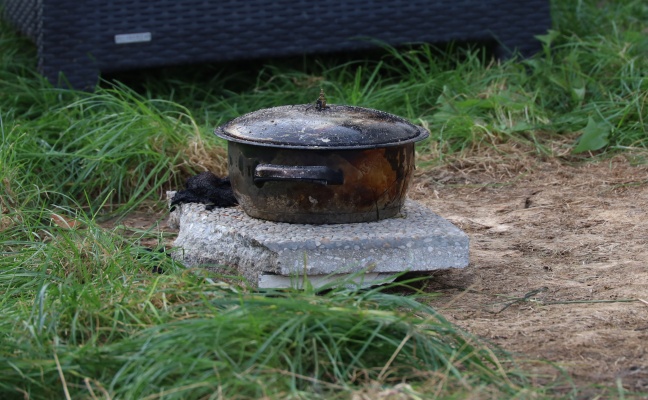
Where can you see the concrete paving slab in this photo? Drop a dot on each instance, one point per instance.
(272, 254)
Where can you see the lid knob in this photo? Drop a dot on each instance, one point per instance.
(320, 104)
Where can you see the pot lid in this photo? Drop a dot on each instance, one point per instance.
(321, 127)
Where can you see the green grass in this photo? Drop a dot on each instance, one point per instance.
(188, 340)
(83, 314)
(80, 310)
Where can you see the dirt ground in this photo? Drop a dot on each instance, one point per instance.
(558, 261)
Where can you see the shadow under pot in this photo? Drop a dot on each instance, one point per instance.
(338, 164)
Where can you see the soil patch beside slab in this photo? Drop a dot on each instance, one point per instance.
(558, 263)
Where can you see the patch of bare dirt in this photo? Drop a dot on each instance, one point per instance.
(558, 263)
(559, 259)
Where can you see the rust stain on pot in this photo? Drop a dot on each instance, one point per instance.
(374, 186)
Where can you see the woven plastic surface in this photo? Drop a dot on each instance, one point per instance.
(24, 16)
(83, 38)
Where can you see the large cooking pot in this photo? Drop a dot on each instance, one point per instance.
(320, 164)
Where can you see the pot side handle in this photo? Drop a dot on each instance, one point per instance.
(301, 173)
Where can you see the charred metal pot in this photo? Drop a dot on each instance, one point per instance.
(320, 164)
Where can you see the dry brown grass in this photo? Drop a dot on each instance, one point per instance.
(198, 157)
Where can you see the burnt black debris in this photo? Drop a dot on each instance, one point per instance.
(206, 188)
(155, 253)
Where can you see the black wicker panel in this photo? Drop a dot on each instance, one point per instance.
(23, 14)
(78, 38)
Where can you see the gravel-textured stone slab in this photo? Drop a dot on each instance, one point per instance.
(418, 240)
